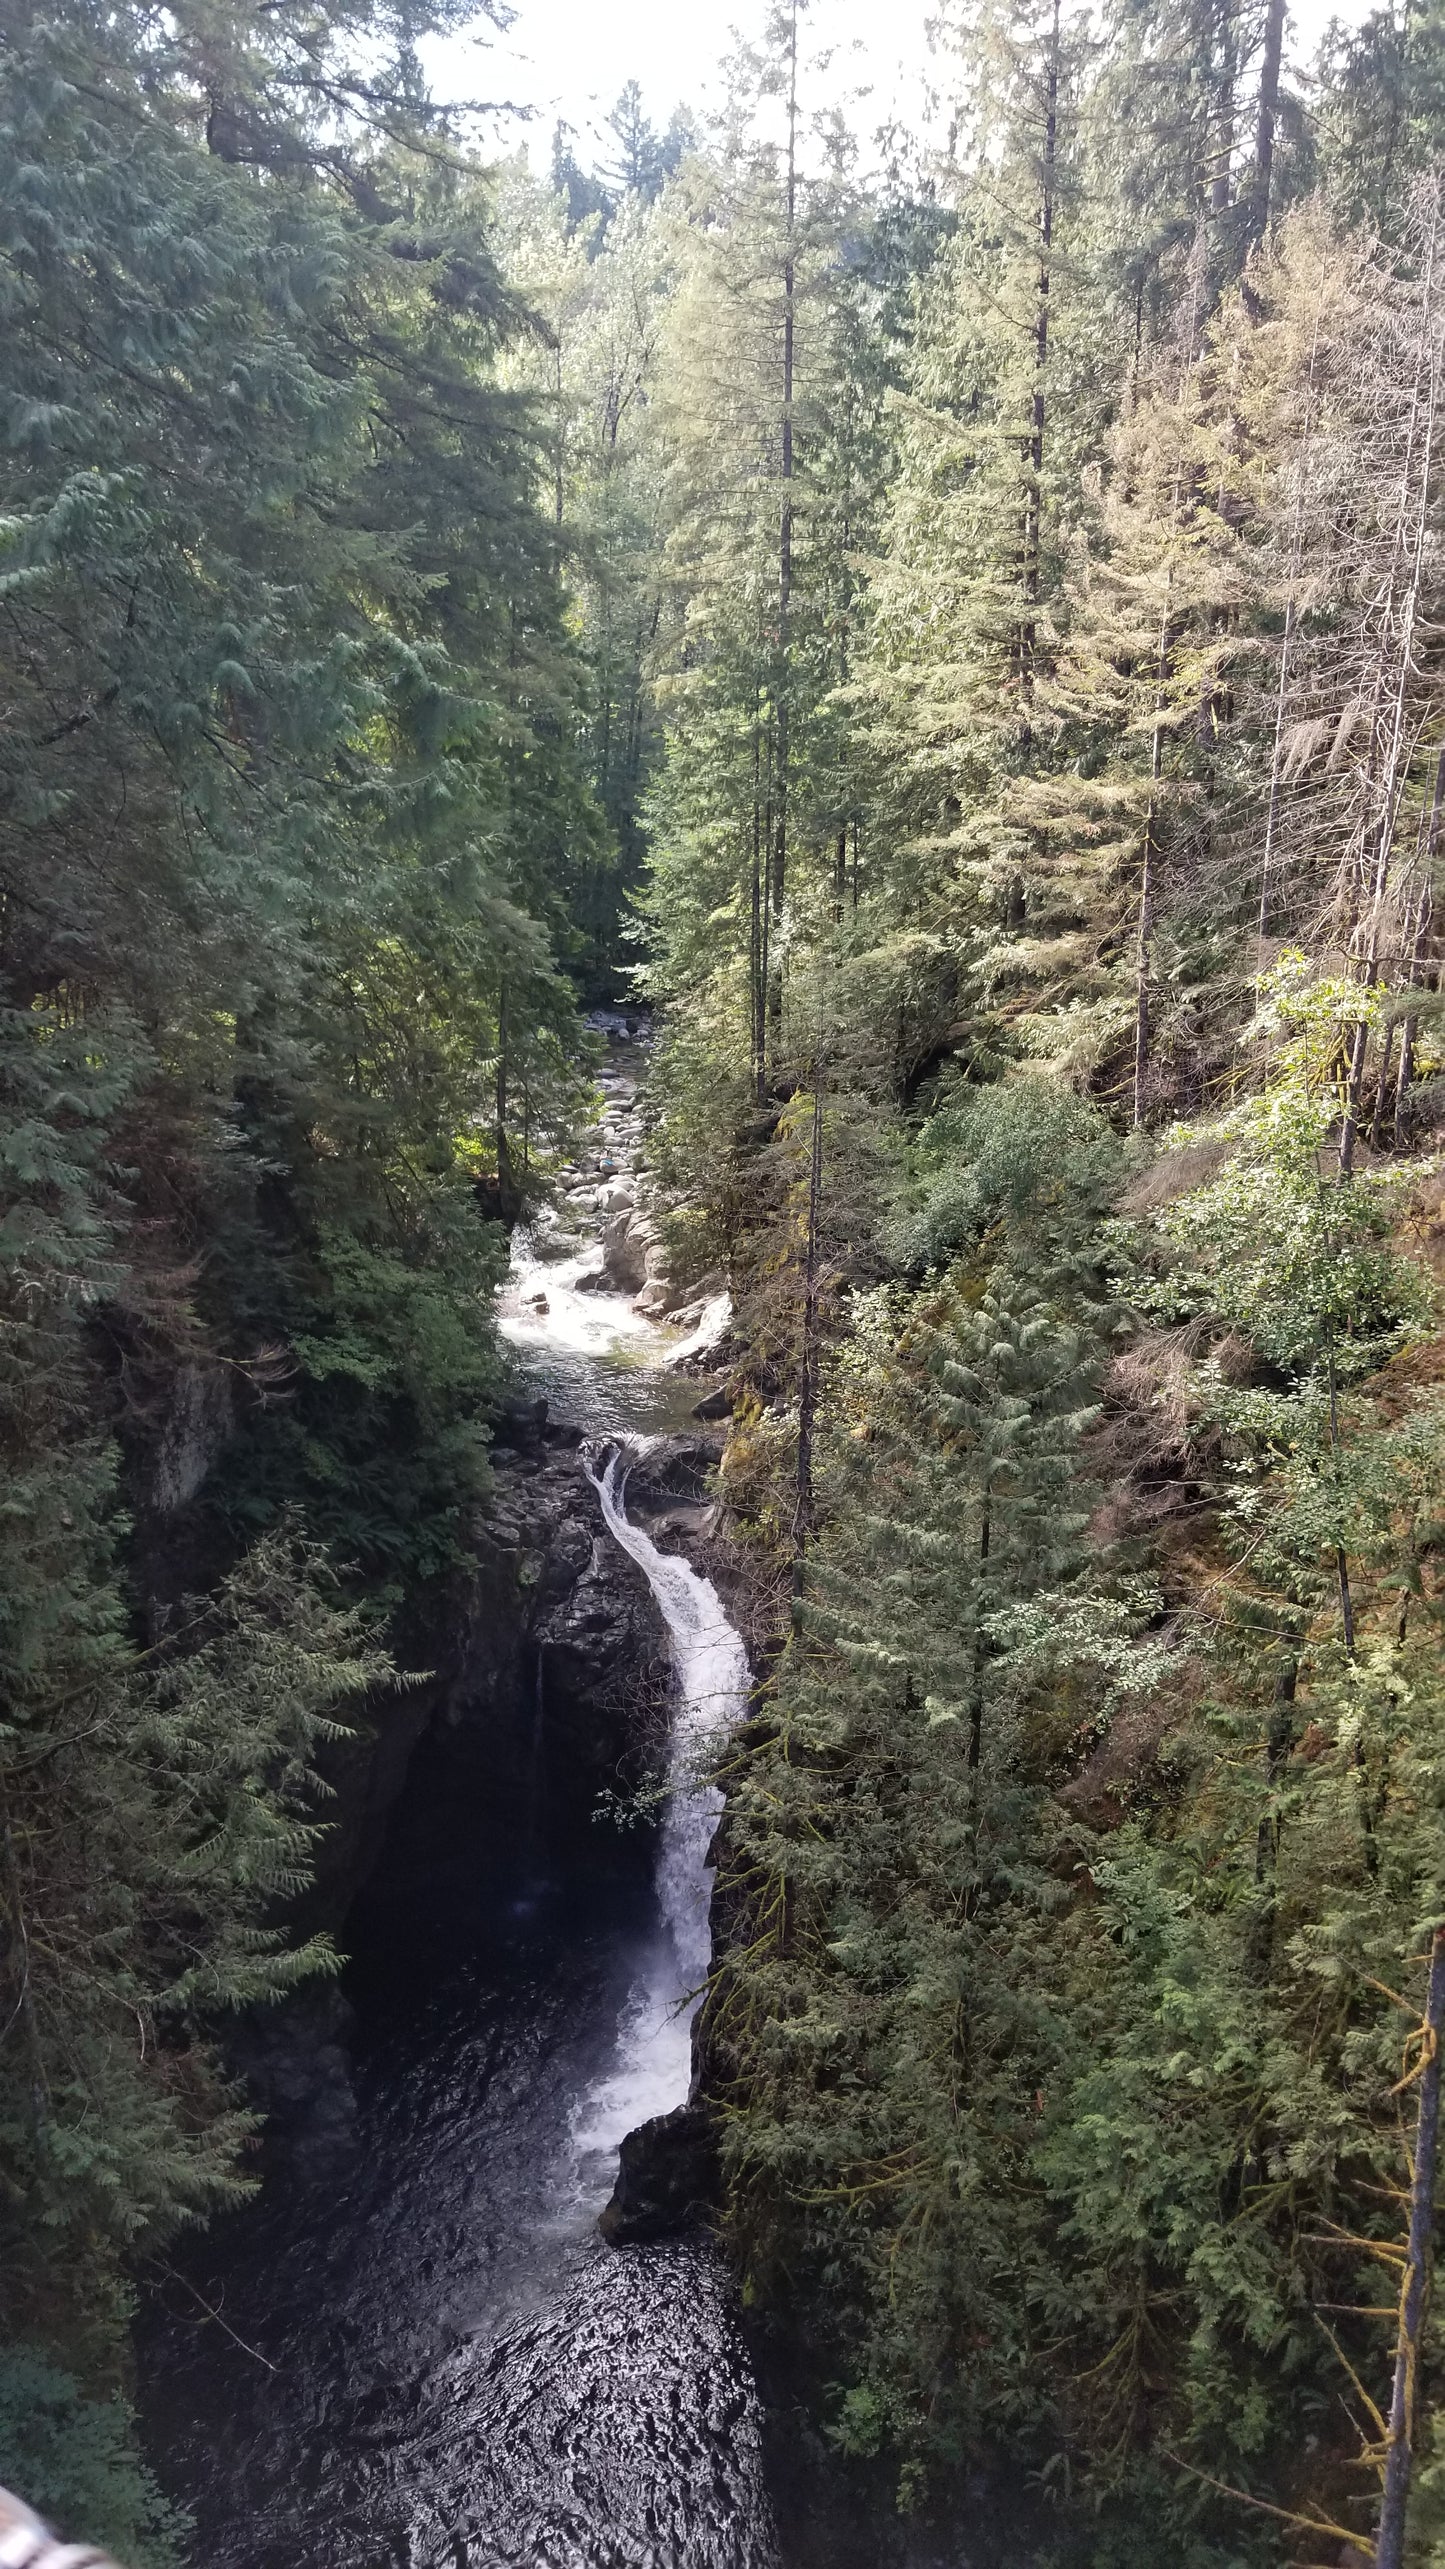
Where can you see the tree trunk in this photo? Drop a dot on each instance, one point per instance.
(980, 1647)
(808, 1354)
(1417, 947)
(1222, 156)
(1276, 767)
(559, 489)
(1354, 1085)
(18, 1944)
(1392, 729)
(757, 954)
(1268, 118)
(785, 544)
(1279, 1739)
(769, 1037)
(1382, 1086)
(1034, 487)
(504, 1157)
(1142, 1028)
(1400, 2441)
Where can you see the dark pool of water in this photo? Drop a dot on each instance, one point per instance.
(420, 2352)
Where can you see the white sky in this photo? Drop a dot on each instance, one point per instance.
(570, 58)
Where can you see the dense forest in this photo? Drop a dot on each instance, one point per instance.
(957, 633)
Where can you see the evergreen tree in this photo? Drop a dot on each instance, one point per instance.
(292, 797)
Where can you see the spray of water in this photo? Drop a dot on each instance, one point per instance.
(652, 2070)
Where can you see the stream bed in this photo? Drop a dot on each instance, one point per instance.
(413, 2347)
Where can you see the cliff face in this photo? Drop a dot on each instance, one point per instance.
(549, 1674)
(549, 1638)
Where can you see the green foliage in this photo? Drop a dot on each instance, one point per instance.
(293, 819)
(886, 2023)
(1069, 2131)
(155, 1814)
(1383, 88)
(76, 2459)
(382, 1434)
(1087, 1815)
(1033, 1162)
(1280, 1250)
(988, 644)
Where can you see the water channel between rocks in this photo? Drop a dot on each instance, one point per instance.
(413, 2347)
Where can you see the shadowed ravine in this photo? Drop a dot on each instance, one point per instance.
(414, 2347)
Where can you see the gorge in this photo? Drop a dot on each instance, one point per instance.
(925, 644)
(414, 2344)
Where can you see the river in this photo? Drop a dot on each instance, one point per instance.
(413, 2347)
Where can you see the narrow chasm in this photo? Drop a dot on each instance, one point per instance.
(415, 2344)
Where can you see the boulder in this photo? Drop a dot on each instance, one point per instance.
(672, 1468)
(522, 1419)
(626, 1246)
(707, 1336)
(668, 2177)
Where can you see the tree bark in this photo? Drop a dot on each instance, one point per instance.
(1268, 118)
(757, 959)
(980, 1647)
(1142, 1028)
(1034, 487)
(1399, 619)
(808, 1356)
(1400, 2441)
(504, 1156)
(1382, 1086)
(785, 542)
(1417, 950)
(1221, 169)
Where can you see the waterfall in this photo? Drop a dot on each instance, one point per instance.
(652, 2072)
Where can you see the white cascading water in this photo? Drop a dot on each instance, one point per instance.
(652, 2071)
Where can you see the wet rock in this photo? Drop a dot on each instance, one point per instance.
(200, 1422)
(519, 1419)
(707, 1326)
(718, 1404)
(605, 1672)
(541, 1589)
(673, 1468)
(688, 1521)
(689, 1300)
(626, 1245)
(668, 2177)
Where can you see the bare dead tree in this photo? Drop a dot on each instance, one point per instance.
(1355, 691)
